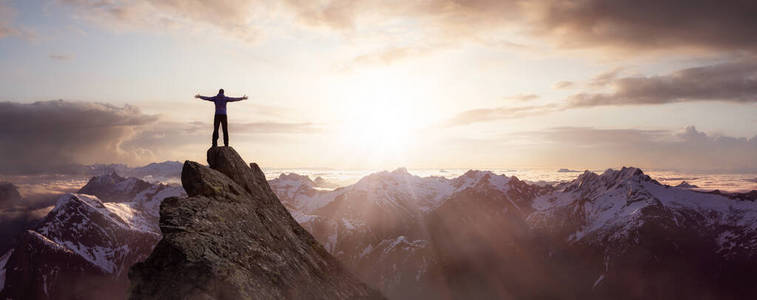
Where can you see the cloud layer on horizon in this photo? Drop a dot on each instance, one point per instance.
(689, 149)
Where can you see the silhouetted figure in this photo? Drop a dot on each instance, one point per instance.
(220, 117)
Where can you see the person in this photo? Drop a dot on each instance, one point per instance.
(220, 117)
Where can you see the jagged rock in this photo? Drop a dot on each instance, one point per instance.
(686, 185)
(233, 239)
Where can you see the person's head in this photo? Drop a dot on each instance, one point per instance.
(220, 92)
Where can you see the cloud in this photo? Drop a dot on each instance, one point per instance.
(523, 97)
(623, 24)
(388, 56)
(631, 24)
(605, 78)
(62, 136)
(730, 82)
(42, 136)
(563, 85)
(232, 17)
(60, 57)
(689, 149)
(734, 82)
(7, 26)
(505, 112)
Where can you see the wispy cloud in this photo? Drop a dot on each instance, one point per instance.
(563, 85)
(506, 112)
(388, 56)
(232, 17)
(523, 97)
(730, 82)
(690, 148)
(8, 27)
(734, 82)
(60, 57)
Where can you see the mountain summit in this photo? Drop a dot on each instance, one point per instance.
(231, 238)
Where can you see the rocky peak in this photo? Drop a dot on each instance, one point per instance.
(231, 238)
(227, 161)
(686, 185)
(401, 171)
(294, 177)
(592, 182)
(8, 194)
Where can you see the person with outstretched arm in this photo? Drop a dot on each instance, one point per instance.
(220, 118)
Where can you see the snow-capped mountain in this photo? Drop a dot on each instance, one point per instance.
(378, 226)
(632, 233)
(619, 234)
(85, 245)
(167, 171)
(491, 236)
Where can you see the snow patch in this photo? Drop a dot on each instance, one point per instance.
(598, 281)
(366, 251)
(3, 262)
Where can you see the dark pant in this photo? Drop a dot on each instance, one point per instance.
(223, 121)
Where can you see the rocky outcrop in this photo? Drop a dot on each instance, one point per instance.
(231, 238)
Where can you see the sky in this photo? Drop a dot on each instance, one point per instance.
(382, 84)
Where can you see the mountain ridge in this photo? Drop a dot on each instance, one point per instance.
(231, 238)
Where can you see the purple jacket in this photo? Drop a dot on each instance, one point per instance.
(220, 101)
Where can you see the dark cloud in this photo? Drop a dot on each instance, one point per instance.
(49, 135)
(625, 24)
(731, 82)
(711, 24)
(17, 214)
(689, 149)
(9, 195)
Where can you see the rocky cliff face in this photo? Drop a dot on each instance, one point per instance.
(231, 238)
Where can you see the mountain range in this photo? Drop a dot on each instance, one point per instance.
(618, 234)
(85, 245)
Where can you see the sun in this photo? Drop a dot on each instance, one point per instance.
(378, 128)
(381, 113)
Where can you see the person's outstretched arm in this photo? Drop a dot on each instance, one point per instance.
(233, 99)
(203, 97)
